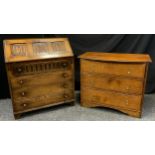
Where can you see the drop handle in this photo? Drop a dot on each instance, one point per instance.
(65, 75)
(21, 82)
(65, 96)
(23, 93)
(24, 105)
(64, 64)
(64, 85)
(19, 70)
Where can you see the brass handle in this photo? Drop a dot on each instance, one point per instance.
(21, 82)
(23, 93)
(24, 105)
(64, 85)
(64, 64)
(65, 75)
(19, 70)
(66, 96)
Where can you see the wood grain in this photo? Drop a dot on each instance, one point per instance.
(40, 73)
(114, 80)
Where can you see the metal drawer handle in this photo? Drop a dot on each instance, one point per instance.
(65, 75)
(23, 93)
(64, 64)
(21, 82)
(19, 70)
(24, 105)
(64, 85)
(66, 96)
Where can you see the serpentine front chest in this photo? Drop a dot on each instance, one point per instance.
(40, 73)
(114, 80)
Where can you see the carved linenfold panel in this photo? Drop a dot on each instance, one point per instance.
(42, 48)
(19, 50)
(58, 46)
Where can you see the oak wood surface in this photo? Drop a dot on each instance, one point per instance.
(114, 80)
(39, 80)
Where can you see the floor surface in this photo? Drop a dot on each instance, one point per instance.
(78, 113)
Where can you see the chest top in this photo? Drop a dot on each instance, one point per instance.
(116, 57)
(18, 50)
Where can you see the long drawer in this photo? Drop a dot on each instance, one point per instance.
(41, 79)
(114, 83)
(42, 101)
(119, 69)
(94, 98)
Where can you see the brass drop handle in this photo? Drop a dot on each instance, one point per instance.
(65, 96)
(24, 105)
(19, 70)
(21, 82)
(64, 64)
(65, 75)
(64, 85)
(23, 93)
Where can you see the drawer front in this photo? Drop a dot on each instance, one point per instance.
(119, 69)
(94, 98)
(113, 83)
(43, 101)
(42, 79)
(25, 93)
(37, 67)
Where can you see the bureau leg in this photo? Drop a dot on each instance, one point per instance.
(17, 116)
(72, 103)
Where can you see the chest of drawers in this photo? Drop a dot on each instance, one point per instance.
(40, 73)
(114, 80)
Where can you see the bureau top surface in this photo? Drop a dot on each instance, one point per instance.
(115, 57)
(17, 50)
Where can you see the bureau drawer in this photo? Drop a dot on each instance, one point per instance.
(118, 84)
(93, 98)
(41, 79)
(39, 90)
(39, 67)
(119, 69)
(43, 101)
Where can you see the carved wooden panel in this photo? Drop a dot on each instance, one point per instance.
(39, 67)
(36, 49)
(19, 50)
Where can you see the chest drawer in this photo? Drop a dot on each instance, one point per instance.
(45, 100)
(119, 69)
(44, 79)
(106, 98)
(113, 83)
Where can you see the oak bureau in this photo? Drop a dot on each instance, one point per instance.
(40, 73)
(114, 80)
